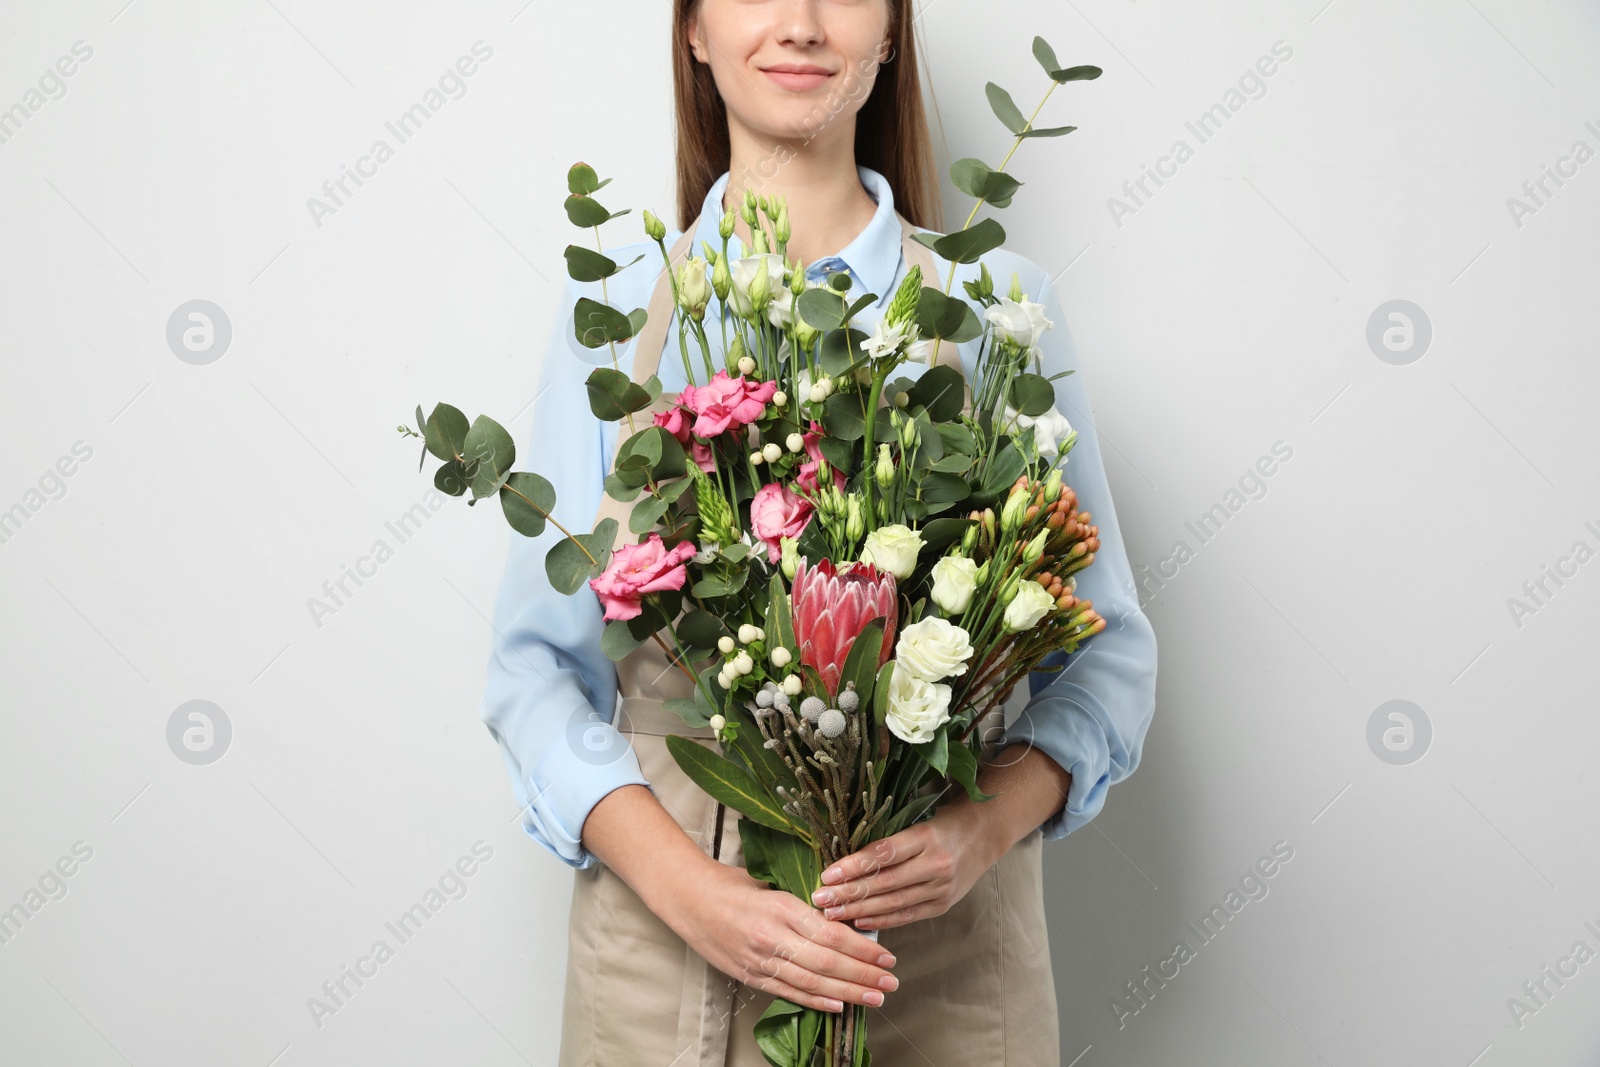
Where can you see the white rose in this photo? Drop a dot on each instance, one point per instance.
(933, 648)
(1021, 323)
(1031, 604)
(916, 708)
(744, 272)
(893, 549)
(1048, 429)
(954, 579)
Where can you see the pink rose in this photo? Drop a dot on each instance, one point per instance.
(726, 403)
(807, 476)
(778, 511)
(636, 570)
(676, 422)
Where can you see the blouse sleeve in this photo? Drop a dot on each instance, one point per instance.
(550, 700)
(1092, 716)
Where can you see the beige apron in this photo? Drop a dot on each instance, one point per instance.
(976, 984)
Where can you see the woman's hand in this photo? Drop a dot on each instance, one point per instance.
(915, 874)
(775, 942)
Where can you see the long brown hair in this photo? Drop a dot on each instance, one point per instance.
(891, 127)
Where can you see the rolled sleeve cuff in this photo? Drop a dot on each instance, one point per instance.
(1064, 728)
(576, 772)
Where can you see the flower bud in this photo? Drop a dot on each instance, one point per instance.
(726, 226)
(721, 277)
(735, 353)
(760, 287)
(795, 442)
(1008, 591)
(1016, 288)
(797, 277)
(854, 527)
(909, 435)
(772, 451)
(969, 540)
(885, 470)
(1052, 486)
(1011, 514)
(983, 573)
(780, 227)
(654, 228)
(1035, 547)
(789, 560)
(694, 291)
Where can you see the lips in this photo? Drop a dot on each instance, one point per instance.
(800, 77)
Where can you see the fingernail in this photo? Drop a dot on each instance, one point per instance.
(834, 1005)
(833, 912)
(822, 896)
(886, 960)
(889, 982)
(832, 874)
(874, 998)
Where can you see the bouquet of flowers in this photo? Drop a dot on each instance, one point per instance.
(851, 567)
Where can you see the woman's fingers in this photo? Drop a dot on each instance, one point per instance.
(880, 904)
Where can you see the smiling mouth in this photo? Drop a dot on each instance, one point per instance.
(799, 80)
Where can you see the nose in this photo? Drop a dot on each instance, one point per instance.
(800, 23)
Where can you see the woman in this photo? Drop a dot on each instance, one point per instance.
(674, 950)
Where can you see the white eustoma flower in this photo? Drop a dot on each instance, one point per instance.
(1048, 429)
(1031, 604)
(954, 580)
(744, 272)
(933, 648)
(1020, 323)
(893, 549)
(916, 708)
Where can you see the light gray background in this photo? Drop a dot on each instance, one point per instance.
(1228, 312)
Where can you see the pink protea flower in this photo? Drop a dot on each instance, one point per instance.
(637, 570)
(831, 607)
(725, 403)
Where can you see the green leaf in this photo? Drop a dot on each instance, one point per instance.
(753, 843)
(489, 447)
(613, 395)
(617, 641)
(968, 245)
(821, 308)
(854, 309)
(777, 1034)
(446, 431)
(451, 478)
(841, 417)
(973, 177)
(935, 753)
(587, 265)
(861, 662)
(964, 769)
(700, 628)
(1048, 131)
(568, 567)
(726, 781)
(645, 514)
(585, 212)
(840, 350)
(582, 180)
(941, 391)
(794, 865)
(957, 438)
(1083, 73)
(942, 488)
(596, 325)
(779, 619)
(1047, 59)
(1005, 108)
(526, 498)
(1032, 394)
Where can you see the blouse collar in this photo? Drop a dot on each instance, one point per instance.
(873, 258)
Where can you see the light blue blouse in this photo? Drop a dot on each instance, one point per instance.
(551, 695)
